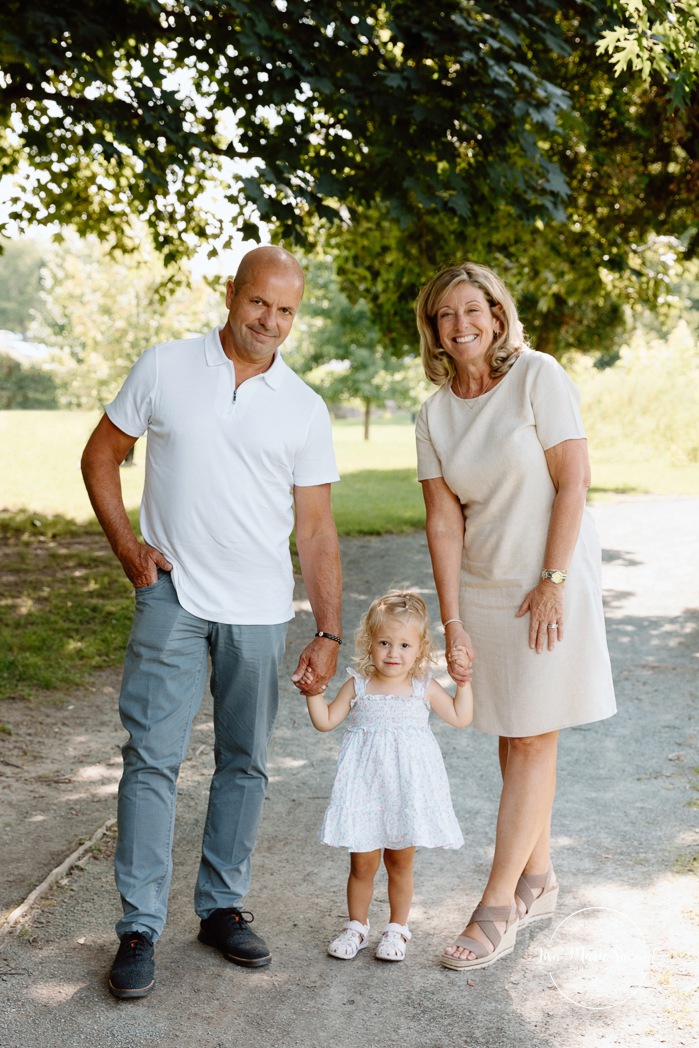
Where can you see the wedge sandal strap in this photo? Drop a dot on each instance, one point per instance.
(524, 889)
(486, 916)
(528, 883)
(493, 913)
(465, 942)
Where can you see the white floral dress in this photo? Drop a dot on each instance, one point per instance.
(391, 788)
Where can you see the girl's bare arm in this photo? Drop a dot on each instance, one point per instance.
(326, 716)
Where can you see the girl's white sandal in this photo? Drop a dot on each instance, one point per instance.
(353, 938)
(393, 942)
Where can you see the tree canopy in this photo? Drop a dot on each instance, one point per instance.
(284, 109)
(631, 165)
(658, 37)
(556, 140)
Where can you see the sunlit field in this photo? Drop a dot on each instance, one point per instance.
(41, 472)
(378, 491)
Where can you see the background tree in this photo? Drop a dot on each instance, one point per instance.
(25, 386)
(99, 309)
(632, 165)
(340, 354)
(20, 268)
(137, 106)
(460, 128)
(660, 38)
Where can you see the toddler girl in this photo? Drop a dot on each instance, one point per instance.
(391, 789)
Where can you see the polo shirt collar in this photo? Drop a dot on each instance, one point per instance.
(213, 351)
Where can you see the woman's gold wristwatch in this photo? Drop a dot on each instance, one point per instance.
(554, 575)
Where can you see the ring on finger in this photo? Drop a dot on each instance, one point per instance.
(552, 626)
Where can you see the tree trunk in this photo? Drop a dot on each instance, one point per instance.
(367, 418)
(545, 341)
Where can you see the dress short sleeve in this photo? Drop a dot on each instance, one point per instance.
(428, 464)
(556, 403)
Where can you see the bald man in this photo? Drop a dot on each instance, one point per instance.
(239, 452)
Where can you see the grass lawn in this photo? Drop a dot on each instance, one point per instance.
(65, 606)
(378, 492)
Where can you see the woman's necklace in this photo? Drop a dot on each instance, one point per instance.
(472, 401)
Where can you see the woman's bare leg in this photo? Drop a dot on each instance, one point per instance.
(524, 817)
(540, 859)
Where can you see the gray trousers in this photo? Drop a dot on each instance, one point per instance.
(165, 675)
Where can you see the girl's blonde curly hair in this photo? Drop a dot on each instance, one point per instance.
(405, 607)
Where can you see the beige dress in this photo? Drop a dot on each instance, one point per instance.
(490, 452)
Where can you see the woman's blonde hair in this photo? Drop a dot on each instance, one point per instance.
(405, 607)
(506, 347)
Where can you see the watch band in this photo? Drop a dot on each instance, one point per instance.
(556, 575)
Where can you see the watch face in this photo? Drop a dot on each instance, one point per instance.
(556, 576)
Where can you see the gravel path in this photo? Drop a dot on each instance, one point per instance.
(617, 966)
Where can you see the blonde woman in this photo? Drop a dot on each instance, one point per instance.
(503, 462)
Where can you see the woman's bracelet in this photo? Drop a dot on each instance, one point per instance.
(329, 636)
(445, 624)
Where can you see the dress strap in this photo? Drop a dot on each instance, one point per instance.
(420, 687)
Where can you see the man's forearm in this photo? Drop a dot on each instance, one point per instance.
(102, 457)
(103, 484)
(319, 557)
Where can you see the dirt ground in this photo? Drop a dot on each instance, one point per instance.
(617, 965)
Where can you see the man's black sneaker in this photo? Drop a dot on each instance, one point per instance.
(228, 930)
(133, 971)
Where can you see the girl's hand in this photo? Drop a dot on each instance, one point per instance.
(545, 603)
(460, 661)
(459, 653)
(307, 683)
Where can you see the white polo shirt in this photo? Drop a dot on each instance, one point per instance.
(221, 466)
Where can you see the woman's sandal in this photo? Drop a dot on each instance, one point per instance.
(353, 938)
(393, 942)
(537, 907)
(501, 943)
